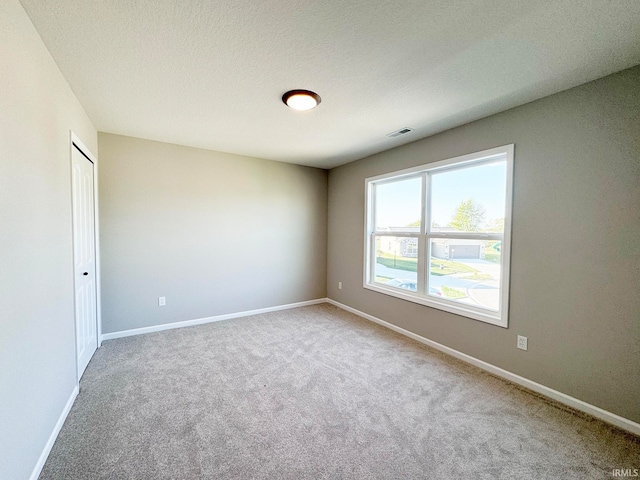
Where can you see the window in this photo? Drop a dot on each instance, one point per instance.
(439, 234)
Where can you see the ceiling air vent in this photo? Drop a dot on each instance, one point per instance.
(397, 133)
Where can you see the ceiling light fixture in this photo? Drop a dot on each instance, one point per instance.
(301, 99)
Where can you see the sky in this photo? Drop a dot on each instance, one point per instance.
(398, 203)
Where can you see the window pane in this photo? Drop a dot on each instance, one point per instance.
(396, 262)
(398, 205)
(466, 271)
(469, 199)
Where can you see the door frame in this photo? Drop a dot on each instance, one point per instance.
(75, 142)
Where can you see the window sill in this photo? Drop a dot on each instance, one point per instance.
(462, 310)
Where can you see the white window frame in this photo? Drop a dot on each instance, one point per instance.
(425, 235)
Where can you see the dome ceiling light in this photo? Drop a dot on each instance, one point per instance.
(301, 99)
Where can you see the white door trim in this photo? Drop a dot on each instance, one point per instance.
(75, 140)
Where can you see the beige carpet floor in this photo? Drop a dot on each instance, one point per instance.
(315, 393)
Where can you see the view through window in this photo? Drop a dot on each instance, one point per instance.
(439, 234)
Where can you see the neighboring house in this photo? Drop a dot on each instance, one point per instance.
(400, 246)
(444, 248)
(450, 249)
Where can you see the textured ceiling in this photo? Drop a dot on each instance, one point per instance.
(210, 74)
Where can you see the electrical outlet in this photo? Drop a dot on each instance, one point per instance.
(339, 285)
(162, 301)
(522, 342)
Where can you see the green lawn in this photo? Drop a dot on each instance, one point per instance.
(449, 292)
(491, 256)
(439, 266)
(401, 263)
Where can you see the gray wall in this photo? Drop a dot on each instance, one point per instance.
(37, 340)
(575, 278)
(214, 233)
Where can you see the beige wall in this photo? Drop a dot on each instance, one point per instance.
(214, 233)
(37, 340)
(575, 269)
(218, 233)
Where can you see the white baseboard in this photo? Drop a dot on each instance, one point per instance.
(611, 418)
(200, 321)
(54, 434)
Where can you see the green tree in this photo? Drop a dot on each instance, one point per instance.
(468, 216)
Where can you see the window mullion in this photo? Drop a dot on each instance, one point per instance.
(386, 233)
(426, 230)
(468, 235)
(421, 242)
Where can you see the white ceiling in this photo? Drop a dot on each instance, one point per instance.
(210, 74)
